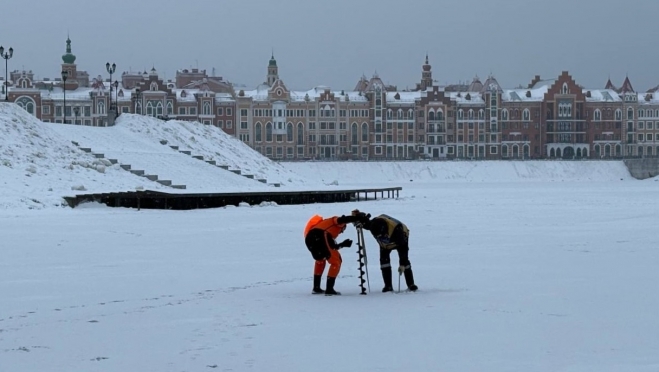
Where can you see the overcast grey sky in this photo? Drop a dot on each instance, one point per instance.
(334, 42)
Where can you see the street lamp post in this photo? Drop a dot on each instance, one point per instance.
(137, 100)
(116, 98)
(6, 56)
(65, 75)
(110, 69)
(76, 111)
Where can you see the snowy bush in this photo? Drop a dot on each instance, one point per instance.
(78, 188)
(244, 204)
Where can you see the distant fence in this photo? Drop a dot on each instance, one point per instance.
(176, 201)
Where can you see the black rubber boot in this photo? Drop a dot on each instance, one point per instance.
(329, 289)
(409, 279)
(386, 277)
(316, 285)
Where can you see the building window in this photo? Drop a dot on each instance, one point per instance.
(100, 108)
(181, 110)
(229, 124)
(220, 111)
(257, 132)
(378, 150)
(268, 132)
(289, 132)
(300, 133)
(193, 111)
(229, 111)
(220, 123)
(206, 108)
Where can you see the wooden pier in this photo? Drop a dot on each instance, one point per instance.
(178, 201)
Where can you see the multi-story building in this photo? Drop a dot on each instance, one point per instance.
(550, 118)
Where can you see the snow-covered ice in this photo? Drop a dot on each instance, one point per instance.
(522, 266)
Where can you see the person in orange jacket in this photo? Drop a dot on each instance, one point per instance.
(320, 238)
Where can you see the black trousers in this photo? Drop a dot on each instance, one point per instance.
(403, 256)
(315, 242)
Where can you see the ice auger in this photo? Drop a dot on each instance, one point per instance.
(363, 260)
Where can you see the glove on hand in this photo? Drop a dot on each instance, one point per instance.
(346, 243)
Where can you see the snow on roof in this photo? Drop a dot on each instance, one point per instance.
(544, 83)
(57, 94)
(403, 97)
(520, 95)
(602, 95)
(648, 98)
(261, 94)
(461, 98)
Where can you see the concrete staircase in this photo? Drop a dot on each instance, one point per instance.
(237, 171)
(128, 167)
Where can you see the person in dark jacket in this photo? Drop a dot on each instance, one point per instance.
(320, 238)
(391, 234)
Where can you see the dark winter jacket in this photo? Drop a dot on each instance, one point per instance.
(389, 232)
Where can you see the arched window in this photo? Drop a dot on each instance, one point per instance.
(410, 114)
(257, 132)
(354, 135)
(206, 108)
(630, 113)
(618, 114)
(364, 132)
(149, 109)
(471, 114)
(100, 108)
(440, 115)
(159, 109)
(289, 132)
(24, 83)
(27, 104)
(641, 113)
(400, 114)
(389, 114)
(154, 86)
(504, 114)
(598, 115)
(431, 115)
(268, 132)
(460, 114)
(481, 115)
(565, 89)
(300, 133)
(526, 115)
(170, 108)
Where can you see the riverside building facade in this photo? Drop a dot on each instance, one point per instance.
(549, 118)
